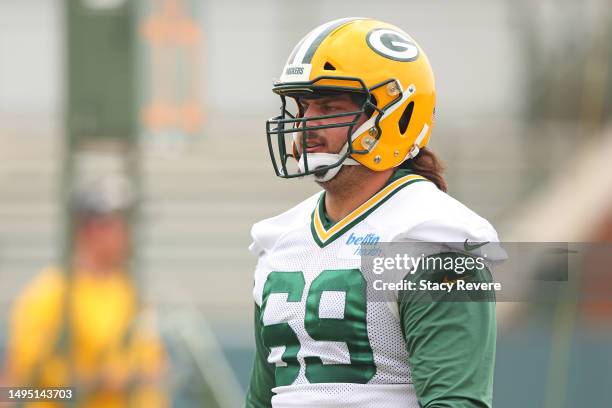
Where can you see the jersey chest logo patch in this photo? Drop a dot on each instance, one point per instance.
(359, 244)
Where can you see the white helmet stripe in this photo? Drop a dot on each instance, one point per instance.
(295, 50)
(313, 39)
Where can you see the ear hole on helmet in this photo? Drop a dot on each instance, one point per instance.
(329, 67)
(405, 119)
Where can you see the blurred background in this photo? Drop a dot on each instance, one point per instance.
(170, 98)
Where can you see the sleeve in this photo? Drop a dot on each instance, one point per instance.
(34, 322)
(451, 341)
(259, 394)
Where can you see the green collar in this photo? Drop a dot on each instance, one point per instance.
(328, 223)
(325, 231)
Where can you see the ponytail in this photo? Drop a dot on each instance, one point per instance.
(428, 165)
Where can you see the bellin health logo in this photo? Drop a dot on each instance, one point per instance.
(367, 239)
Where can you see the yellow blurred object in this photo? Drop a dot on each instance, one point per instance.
(113, 360)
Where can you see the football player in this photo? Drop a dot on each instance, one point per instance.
(357, 109)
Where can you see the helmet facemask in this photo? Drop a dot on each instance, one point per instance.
(288, 133)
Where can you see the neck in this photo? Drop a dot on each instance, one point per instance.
(350, 188)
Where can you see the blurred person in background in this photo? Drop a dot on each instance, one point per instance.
(87, 331)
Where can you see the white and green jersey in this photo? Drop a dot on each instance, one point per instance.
(321, 344)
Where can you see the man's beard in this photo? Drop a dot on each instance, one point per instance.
(346, 180)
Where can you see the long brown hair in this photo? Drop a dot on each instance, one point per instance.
(428, 165)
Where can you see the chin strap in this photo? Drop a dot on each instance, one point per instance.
(316, 160)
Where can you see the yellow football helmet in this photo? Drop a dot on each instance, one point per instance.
(366, 57)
